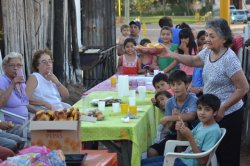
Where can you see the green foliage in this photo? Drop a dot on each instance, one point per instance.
(141, 5)
(155, 19)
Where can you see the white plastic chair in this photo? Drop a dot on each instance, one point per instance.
(24, 123)
(170, 155)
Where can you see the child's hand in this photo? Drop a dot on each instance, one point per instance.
(164, 121)
(185, 131)
(153, 101)
(179, 124)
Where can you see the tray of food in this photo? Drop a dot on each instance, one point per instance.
(108, 101)
(150, 48)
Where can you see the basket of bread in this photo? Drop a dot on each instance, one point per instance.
(51, 115)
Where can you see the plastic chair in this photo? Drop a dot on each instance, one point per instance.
(24, 123)
(170, 155)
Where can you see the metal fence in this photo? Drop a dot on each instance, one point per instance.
(97, 67)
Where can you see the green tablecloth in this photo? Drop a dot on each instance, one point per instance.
(140, 131)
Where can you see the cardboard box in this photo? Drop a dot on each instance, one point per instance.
(64, 135)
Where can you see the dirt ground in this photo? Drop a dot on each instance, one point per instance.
(245, 155)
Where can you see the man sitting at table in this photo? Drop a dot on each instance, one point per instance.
(182, 104)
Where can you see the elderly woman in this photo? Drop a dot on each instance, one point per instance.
(223, 77)
(45, 91)
(12, 87)
(13, 99)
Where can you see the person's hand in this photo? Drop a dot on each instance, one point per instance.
(18, 80)
(220, 114)
(153, 101)
(50, 76)
(164, 121)
(6, 125)
(180, 126)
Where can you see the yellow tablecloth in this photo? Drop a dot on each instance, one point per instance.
(140, 131)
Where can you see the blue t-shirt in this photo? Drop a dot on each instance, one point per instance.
(197, 80)
(175, 36)
(205, 138)
(189, 105)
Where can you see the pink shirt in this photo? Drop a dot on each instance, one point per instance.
(188, 70)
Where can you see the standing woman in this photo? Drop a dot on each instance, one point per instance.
(43, 87)
(223, 77)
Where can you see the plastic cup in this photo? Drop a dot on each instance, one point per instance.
(132, 101)
(101, 105)
(131, 93)
(142, 92)
(133, 110)
(124, 108)
(116, 107)
(113, 81)
(156, 72)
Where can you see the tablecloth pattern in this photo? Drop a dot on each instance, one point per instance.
(140, 131)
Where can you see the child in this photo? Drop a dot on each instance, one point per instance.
(204, 136)
(182, 104)
(160, 83)
(167, 65)
(147, 59)
(187, 46)
(125, 31)
(161, 98)
(196, 86)
(129, 63)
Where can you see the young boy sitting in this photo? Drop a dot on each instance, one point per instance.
(160, 83)
(182, 104)
(204, 136)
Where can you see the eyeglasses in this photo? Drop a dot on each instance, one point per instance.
(15, 66)
(44, 62)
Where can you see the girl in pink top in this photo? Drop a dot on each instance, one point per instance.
(187, 47)
(129, 63)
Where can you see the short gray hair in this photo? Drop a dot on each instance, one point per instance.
(10, 56)
(221, 27)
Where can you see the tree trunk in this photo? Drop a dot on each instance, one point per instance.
(58, 40)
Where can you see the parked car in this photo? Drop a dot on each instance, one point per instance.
(232, 7)
(248, 14)
(238, 16)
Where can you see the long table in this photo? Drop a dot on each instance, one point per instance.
(129, 140)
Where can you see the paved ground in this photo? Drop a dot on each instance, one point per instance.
(153, 32)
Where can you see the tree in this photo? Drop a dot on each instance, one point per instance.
(142, 5)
